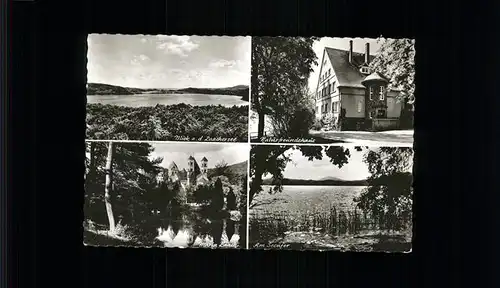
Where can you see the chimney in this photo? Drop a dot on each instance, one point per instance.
(350, 51)
(367, 53)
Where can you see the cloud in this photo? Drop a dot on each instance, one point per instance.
(139, 59)
(177, 45)
(221, 63)
(158, 61)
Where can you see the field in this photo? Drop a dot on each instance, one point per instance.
(319, 217)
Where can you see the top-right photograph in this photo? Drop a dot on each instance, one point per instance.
(332, 90)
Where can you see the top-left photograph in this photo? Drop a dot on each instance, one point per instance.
(168, 88)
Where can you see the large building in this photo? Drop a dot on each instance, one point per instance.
(192, 176)
(351, 97)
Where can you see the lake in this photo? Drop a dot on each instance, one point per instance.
(138, 100)
(306, 199)
(287, 217)
(321, 217)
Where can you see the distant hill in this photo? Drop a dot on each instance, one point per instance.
(327, 181)
(106, 89)
(331, 178)
(239, 169)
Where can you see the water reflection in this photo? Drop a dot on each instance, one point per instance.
(192, 227)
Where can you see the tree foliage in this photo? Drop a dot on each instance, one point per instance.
(389, 194)
(145, 197)
(134, 174)
(165, 122)
(222, 169)
(396, 60)
(217, 196)
(280, 71)
(231, 200)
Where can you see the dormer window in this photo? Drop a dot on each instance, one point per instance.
(371, 93)
(365, 70)
(382, 93)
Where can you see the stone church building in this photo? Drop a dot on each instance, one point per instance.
(351, 97)
(191, 177)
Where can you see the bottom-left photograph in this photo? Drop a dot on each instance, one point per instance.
(151, 194)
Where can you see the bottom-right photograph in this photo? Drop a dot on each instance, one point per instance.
(345, 198)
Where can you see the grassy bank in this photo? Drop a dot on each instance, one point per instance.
(168, 123)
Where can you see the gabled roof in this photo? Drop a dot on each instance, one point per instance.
(376, 77)
(204, 159)
(191, 158)
(348, 75)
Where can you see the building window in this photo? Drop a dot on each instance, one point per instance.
(326, 107)
(329, 72)
(382, 93)
(381, 113)
(360, 106)
(371, 93)
(329, 88)
(336, 106)
(333, 87)
(365, 70)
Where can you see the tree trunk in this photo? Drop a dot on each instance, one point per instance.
(257, 177)
(91, 173)
(260, 126)
(108, 187)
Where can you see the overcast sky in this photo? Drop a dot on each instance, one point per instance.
(179, 153)
(358, 45)
(145, 61)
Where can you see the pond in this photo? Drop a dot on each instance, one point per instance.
(197, 227)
